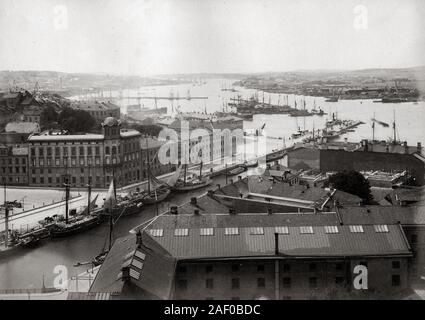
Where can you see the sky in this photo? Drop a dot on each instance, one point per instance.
(146, 37)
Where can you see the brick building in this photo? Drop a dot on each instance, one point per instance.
(360, 157)
(14, 164)
(255, 256)
(99, 110)
(99, 156)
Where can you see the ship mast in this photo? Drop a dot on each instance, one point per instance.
(66, 201)
(394, 129)
(6, 218)
(89, 193)
(147, 159)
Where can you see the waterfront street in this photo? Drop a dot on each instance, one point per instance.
(24, 268)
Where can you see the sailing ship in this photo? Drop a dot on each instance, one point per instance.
(78, 222)
(191, 181)
(109, 207)
(157, 190)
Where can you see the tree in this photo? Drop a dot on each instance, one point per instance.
(48, 117)
(75, 120)
(352, 182)
(149, 129)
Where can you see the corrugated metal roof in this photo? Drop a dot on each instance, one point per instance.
(294, 244)
(151, 267)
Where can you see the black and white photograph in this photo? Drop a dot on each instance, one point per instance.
(225, 150)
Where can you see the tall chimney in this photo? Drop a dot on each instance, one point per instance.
(276, 243)
(419, 147)
(406, 148)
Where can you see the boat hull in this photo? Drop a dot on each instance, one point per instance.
(190, 187)
(152, 199)
(71, 230)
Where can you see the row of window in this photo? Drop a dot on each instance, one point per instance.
(339, 266)
(42, 151)
(9, 161)
(11, 171)
(260, 230)
(65, 162)
(287, 282)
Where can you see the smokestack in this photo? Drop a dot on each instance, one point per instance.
(419, 147)
(193, 201)
(276, 243)
(406, 148)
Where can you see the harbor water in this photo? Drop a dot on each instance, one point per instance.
(26, 268)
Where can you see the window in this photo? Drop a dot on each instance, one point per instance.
(396, 264)
(235, 283)
(306, 230)
(331, 229)
(235, 267)
(140, 255)
(312, 282)
(381, 228)
(338, 266)
(261, 282)
(182, 269)
(287, 282)
(231, 231)
(312, 267)
(356, 229)
(134, 274)
(256, 231)
(206, 232)
(286, 267)
(156, 232)
(208, 269)
(181, 232)
(260, 268)
(395, 280)
(136, 263)
(281, 230)
(209, 283)
(182, 284)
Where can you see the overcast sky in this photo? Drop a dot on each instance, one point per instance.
(188, 36)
